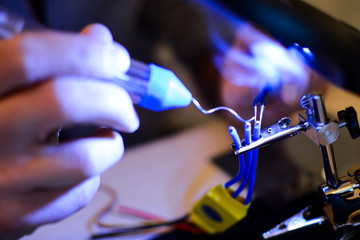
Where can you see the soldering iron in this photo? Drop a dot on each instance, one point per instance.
(154, 87)
(150, 86)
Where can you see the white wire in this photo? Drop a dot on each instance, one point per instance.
(261, 113)
(262, 108)
(197, 104)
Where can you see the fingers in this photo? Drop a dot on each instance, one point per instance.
(31, 57)
(75, 101)
(38, 186)
(34, 113)
(20, 215)
(50, 206)
(48, 80)
(60, 166)
(74, 161)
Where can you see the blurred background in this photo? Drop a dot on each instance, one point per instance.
(175, 35)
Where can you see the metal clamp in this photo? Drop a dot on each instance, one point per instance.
(341, 195)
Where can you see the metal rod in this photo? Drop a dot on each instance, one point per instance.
(332, 179)
(327, 151)
(319, 109)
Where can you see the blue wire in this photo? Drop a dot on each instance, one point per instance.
(240, 174)
(235, 136)
(247, 129)
(249, 156)
(255, 155)
(254, 163)
(246, 175)
(269, 92)
(252, 156)
(260, 98)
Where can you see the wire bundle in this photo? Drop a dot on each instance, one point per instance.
(246, 176)
(247, 162)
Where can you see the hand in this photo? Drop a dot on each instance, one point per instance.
(255, 61)
(51, 80)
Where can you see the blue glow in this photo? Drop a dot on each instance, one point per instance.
(277, 56)
(303, 53)
(307, 51)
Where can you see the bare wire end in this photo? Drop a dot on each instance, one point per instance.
(235, 114)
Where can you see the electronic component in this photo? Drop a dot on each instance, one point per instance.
(218, 210)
